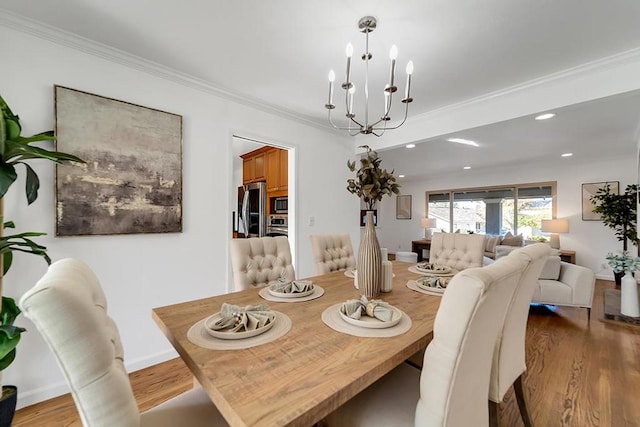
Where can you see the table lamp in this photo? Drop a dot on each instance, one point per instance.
(555, 226)
(428, 224)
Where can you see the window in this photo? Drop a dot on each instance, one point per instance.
(518, 209)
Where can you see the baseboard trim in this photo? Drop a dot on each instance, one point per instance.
(31, 397)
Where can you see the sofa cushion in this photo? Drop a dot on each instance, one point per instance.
(551, 268)
(553, 292)
(490, 243)
(511, 240)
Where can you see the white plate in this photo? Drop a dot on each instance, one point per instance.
(371, 322)
(292, 294)
(436, 290)
(447, 270)
(234, 335)
(350, 272)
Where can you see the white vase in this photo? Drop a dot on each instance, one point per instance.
(629, 296)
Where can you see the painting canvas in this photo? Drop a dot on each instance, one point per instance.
(403, 207)
(591, 189)
(132, 179)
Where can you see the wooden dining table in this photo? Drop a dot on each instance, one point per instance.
(306, 374)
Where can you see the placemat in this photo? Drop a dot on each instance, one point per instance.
(413, 285)
(331, 318)
(317, 293)
(413, 269)
(198, 335)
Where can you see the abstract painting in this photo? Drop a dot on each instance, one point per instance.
(132, 180)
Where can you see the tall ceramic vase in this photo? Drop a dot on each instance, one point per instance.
(369, 261)
(629, 296)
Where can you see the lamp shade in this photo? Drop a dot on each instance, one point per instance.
(555, 225)
(428, 223)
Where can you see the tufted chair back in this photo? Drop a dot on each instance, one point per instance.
(457, 250)
(259, 260)
(70, 310)
(457, 363)
(332, 252)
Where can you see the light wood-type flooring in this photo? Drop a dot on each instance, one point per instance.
(579, 374)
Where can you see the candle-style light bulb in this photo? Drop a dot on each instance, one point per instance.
(349, 52)
(393, 53)
(409, 72)
(332, 78)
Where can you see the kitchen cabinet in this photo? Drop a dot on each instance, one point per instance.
(254, 165)
(277, 170)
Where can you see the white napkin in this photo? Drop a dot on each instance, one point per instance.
(375, 308)
(432, 267)
(434, 282)
(240, 319)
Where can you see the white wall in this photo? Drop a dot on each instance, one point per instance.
(590, 239)
(139, 272)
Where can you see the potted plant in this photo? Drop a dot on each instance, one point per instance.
(370, 185)
(619, 212)
(15, 150)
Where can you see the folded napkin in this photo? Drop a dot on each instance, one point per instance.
(241, 319)
(287, 286)
(435, 282)
(432, 267)
(375, 308)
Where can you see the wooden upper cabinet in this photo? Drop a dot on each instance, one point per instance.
(254, 165)
(277, 173)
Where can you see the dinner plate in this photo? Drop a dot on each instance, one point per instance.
(292, 294)
(234, 335)
(371, 322)
(434, 289)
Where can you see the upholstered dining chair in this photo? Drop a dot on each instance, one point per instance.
(453, 386)
(259, 260)
(69, 309)
(332, 252)
(457, 250)
(509, 356)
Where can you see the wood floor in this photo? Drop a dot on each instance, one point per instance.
(579, 374)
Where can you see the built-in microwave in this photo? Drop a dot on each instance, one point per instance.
(279, 205)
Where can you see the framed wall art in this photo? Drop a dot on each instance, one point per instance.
(590, 189)
(132, 180)
(403, 207)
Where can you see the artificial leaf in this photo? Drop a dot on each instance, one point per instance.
(32, 185)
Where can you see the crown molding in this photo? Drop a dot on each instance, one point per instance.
(65, 38)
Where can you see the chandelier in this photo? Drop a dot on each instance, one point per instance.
(359, 126)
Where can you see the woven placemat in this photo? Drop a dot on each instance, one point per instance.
(413, 285)
(331, 318)
(198, 335)
(317, 293)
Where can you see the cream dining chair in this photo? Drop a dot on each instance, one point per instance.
(332, 252)
(457, 250)
(69, 309)
(509, 356)
(452, 389)
(259, 260)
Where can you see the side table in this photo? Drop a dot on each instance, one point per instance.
(568, 256)
(418, 245)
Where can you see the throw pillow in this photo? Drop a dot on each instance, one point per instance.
(551, 269)
(511, 240)
(491, 243)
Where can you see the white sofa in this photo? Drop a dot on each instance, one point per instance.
(562, 283)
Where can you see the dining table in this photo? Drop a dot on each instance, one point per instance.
(310, 371)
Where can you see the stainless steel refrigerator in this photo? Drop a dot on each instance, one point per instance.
(252, 209)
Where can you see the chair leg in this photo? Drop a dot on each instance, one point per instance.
(494, 414)
(589, 314)
(522, 404)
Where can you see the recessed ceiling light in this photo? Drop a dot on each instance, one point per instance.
(567, 154)
(466, 167)
(400, 176)
(545, 116)
(463, 141)
(410, 145)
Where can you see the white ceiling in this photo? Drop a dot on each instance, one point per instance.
(278, 53)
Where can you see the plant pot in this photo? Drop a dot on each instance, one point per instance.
(629, 305)
(369, 261)
(618, 278)
(8, 404)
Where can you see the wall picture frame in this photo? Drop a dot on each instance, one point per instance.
(132, 180)
(403, 207)
(590, 189)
